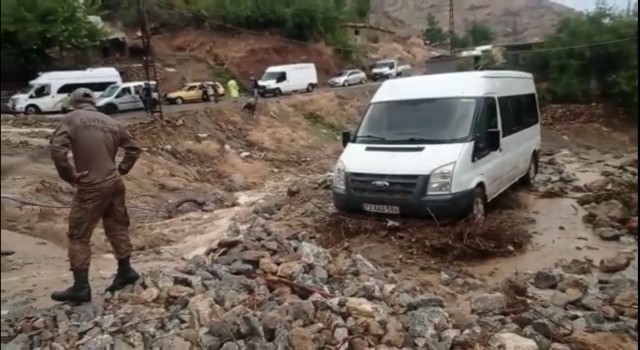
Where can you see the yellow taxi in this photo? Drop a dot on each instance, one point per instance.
(192, 92)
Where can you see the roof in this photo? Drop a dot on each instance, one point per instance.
(456, 84)
(111, 32)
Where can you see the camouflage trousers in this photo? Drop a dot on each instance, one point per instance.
(88, 207)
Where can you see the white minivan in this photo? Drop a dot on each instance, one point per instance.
(123, 97)
(440, 145)
(46, 92)
(286, 79)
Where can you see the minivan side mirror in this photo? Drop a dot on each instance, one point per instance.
(493, 139)
(346, 138)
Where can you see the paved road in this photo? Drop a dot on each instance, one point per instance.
(168, 109)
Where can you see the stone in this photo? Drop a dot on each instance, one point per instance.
(611, 209)
(313, 255)
(300, 339)
(608, 233)
(488, 303)
(632, 226)
(559, 346)
(290, 270)
(268, 266)
(511, 341)
(362, 308)
(614, 264)
(545, 280)
(426, 323)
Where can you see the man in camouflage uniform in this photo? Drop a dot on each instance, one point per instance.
(94, 139)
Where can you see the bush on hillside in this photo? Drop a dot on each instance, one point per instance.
(577, 71)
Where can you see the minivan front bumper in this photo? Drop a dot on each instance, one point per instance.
(406, 192)
(441, 206)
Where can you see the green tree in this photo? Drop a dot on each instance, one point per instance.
(433, 33)
(479, 34)
(578, 70)
(32, 29)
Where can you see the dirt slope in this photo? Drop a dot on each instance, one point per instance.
(516, 20)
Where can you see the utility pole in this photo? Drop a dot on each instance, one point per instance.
(148, 62)
(452, 29)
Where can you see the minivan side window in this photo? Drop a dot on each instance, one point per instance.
(282, 77)
(95, 87)
(41, 91)
(518, 112)
(487, 120)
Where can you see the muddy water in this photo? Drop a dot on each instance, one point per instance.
(39, 267)
(559, 233)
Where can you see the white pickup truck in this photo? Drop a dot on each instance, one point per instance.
(387, 69)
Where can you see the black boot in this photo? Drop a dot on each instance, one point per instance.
(80, 292)
(126, 275)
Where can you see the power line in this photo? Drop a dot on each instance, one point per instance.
(580, 46)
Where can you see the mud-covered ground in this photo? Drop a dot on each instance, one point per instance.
(570, 243)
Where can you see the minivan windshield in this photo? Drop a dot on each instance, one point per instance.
(270, 76)
(26, 90)
(110, 91)
(384, 64)
(434, 120)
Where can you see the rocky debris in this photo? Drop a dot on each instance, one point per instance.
(610, 200)
(252, 290)
(554, 305)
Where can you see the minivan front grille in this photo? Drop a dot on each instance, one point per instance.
(380, 185)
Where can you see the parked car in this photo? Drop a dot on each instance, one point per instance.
(348, 77)
(125, 97)
(192, 92)
(46, 92)
(287, 79)
(388, 69)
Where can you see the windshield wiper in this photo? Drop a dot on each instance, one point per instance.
(372, 137)
(413, 139)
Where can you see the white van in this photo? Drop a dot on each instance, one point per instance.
(46, 92)
(440, 145)
(278, 80)
(124, 97)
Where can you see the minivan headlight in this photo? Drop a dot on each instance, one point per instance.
(339, 180)
(440, 180)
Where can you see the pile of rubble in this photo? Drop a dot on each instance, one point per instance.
(256, 290)
(253, 290)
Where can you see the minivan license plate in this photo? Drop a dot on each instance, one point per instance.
(382, 209)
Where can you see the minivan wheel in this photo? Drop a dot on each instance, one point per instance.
(529, 179)
(478, 209)
(110, 109)
(310, 88)
(363, 81)
(31, 109)
(278, 92)
(179, 100)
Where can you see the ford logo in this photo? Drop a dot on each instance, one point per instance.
(380, 184)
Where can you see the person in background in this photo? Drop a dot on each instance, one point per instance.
(211, 92)
(232, 87)
(94, 139)
(206, 97)
(255, 87)
(216, 92)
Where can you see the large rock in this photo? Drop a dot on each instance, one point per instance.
(511, 341)
(488, 303)
(614, 263)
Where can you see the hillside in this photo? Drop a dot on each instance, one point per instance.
(511, 21)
